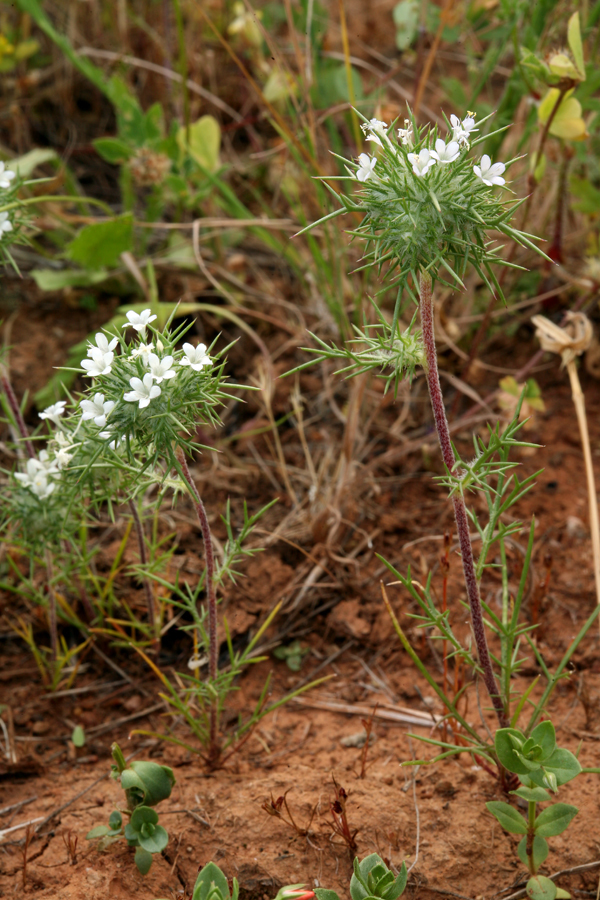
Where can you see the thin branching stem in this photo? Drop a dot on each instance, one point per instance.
(16, 411)
(460, 510)
(213, 650)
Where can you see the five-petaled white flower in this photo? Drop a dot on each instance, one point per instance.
(445, 153)
(36, 479)
(6, 176)
(54, 412)
(46, 464)
(490, 173)
(422, 162)
(139, 320)
(195, 357)
(143, 391)
(143, 350)
(367, 164)
(103, 346)
(161, 368)
(100, 364)
(461, 131)
(97, 409)
(373, 129)
(63, 458)
(5, 223)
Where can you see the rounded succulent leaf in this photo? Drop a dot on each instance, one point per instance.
(153, 842)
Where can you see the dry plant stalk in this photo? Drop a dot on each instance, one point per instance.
(570, 342)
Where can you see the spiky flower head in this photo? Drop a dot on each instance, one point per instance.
(430, 203)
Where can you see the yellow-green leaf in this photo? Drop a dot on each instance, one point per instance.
(568, 122)
(575, 45)
(560, 65)
(205, 142)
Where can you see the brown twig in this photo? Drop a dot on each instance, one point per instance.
(340, 820)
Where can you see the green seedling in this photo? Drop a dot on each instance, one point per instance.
(292, 654)
(541, 767)
(145, 784)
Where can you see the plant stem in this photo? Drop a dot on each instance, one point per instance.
(139, 529)
(530, 835)
(16, 411)
(52, 620)
(460, 510)
(214, 750)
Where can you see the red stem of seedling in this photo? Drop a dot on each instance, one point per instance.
(213, 653)
(16, 411)
(460, 511)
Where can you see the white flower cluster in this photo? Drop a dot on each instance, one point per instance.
(42, 473)
(444, 153)
(6, 176)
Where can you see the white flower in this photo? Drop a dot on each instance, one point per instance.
(46, 464)
(195, 662)
(5, 223)
(6, 176)
(143, 350)
(139, 320)
(161, 368)
(373, 129)
(461, 131)
(422, 162)
(100, 364)
(54, 412)
(195, 357)
(143, 391)
(62, 440)
(103, 346)
(490, 174)
(367, 164)
(405, 134)
(445, 154)
(63, 458)
(107, 435)
(97, 409)
(36, 479)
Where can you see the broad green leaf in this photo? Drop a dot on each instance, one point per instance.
(539, 851)
(51, 280)
(25, 165)
(545, 735)
(562, 895)
(157, 781)
(116, 820)
(78, 736)
(113, 150)
(154, 842)
(567, 122)
(532, 795)
(324, 894)
(575, 45)
(100, 245)
(508, 817)
(143, 860)
(205, 142)
(504, 742)
(210, 879)
(142, 815)
(562, 764)
(555, 819)
(98, 831)
(541, 888)
(587, 196)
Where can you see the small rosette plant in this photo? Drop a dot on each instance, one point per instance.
(372, 880)
(540, 765)
(145, 784)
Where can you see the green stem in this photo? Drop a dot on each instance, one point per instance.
(63, 198)
(530, 836)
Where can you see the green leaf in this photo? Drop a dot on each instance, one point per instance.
(78, 736)
(116, 820)
(562, 764)
(508, 817)
(545, 735)
(142, 815)
(562, 895)
(51, 280)
(588, 196)
(406, 20)
(156, 841)
(541, 888)
(205, 142)
(505, 740)
(210, 881)
(532, 795)
(113, 150)
(539, 851)
(555, 819)
(324, 894)
(575, 45)
(143, 860)
(100, 245)
(97, 832)
(156, 781)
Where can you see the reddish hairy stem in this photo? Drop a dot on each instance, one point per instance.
(460, 510)
(139, 530)
(16, 411)
(213, 650)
